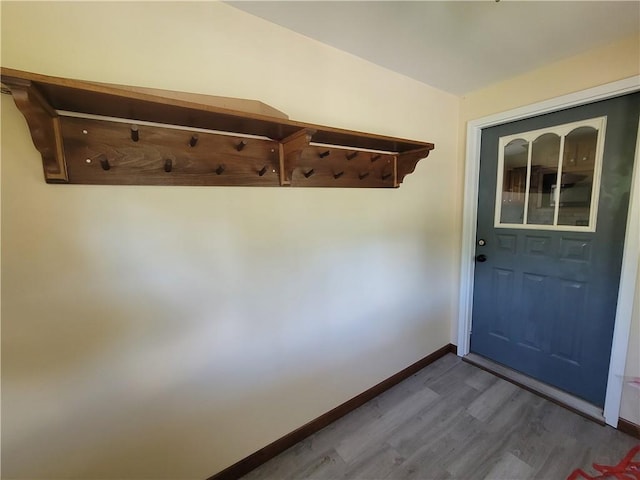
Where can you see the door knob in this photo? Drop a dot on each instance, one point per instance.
(481, 258)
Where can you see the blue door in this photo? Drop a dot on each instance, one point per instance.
(552, 211)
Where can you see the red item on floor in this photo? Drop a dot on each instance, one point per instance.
(627, 469)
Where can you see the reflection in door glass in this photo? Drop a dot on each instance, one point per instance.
(514, 181)
(578, 165)
(544, 171)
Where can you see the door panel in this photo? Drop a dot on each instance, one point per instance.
(545, 298)
(503, 294)
(535, 291)
(566, 343)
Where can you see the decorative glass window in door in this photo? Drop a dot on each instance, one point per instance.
(549, 179)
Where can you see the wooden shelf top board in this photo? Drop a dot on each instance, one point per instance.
(191, 110)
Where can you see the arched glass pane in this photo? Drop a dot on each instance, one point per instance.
(514, 181)
(578, 166)
(545, 154)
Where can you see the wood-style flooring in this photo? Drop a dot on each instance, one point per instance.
(452, 421)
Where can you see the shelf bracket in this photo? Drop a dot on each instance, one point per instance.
(44, 124)
(290, 152)
(406, 162)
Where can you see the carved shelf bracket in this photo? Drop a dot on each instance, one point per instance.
(96, 133)
(407, 162)
(44, 124)
(291, 149)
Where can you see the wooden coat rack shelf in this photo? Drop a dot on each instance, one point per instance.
(97, 133)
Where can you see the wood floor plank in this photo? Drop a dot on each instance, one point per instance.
(478, 453)
(492, 400)
(481, 380)
(373, 434)
(344, 427)
(379, 464)
(451, 420)
(430, 426)
(509, 466)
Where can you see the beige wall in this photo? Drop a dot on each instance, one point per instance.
(597, 67)
(167, 332)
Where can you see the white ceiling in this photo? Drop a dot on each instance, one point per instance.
(456, 46)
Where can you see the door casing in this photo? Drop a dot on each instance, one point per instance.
(631, 254)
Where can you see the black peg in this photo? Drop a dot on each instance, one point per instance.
(220, 169)
(338, 175)
(362, 176)
(375, 158)
(105, 163)
(309, 173)
(193, 141)
(385, 176)
(241, 145)
(168, 165)
(263, 171)
(325, 154)
(351, 156)
(134, 133)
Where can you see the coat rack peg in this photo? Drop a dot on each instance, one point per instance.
(104, 162)
(385, 176)
(351, 156)
(220, 169)
(324, 154)
(263, 171)
(362, 176)
(241, 145)
(193, 141)
(375, 158)
(168, 165)
(134, 133)
(309, 173)
(338, 175)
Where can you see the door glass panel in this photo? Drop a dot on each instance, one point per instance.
(530, 164)
(514, 181)
(545, 153)
(578, 166)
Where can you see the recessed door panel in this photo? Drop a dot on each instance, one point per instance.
(503, 297)
(566, 344)
(507, 243)
(537, 245)
(576, 249)
(534, 308)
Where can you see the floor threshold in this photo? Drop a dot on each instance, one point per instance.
(562, 398)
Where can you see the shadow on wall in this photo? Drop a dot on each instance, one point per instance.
(145, 338)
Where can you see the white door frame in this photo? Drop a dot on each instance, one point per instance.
(631, 255)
